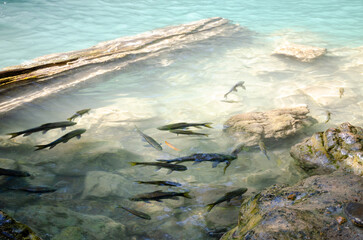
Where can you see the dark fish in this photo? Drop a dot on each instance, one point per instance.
(216, 158)
(183, 125)
(158, 165)
(136, 213)
(65, 138)
(341, 92)
(263, 149)
(227, 197)
(34, 189)
(187, 132)
(150, 140)
(13, 173)
(161, 183)
(158, 195)
(328, 114)
(79, 113)
(43, 128)
(234, 88)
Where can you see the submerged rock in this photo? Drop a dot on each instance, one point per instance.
(355, 213)
(330, 150)
(61, 222)
(301, 52)
(312, 215)
(252, 127)
(12, 229)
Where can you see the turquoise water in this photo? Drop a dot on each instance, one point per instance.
(29, 29)
(92, 174)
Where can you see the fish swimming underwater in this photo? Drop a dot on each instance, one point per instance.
(43, 128)
(227, 197)
(136, 213)
(183, 125)
(161, 183)
(158, 195)
(328, 115)
(79, 113)
(13, 173)
(216, 158)
(171, 146)
(187, 132)
(65, 138)
(234, 88)
(341, 92)
(263, 149)
(34, 189)
(150, 140)
(158, 165)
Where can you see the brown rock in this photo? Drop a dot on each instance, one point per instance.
(341, 220)
(270, 215)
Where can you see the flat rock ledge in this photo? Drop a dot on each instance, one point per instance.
(311, 209)
(64, 70)
(136, 47)
(336, 148)
(300, 52)
(250, 128)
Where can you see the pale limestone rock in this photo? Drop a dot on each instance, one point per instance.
(252, 127)
(301, 52)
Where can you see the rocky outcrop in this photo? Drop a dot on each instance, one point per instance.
(301, 52)
(12, 229)
(312, 209)
(333, 149)
(250, 128)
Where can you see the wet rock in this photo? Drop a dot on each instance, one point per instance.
(59, 221)
(108, 56)
(341, 220)
(12, 229)
(355, 213)
(101, 184)
(330, 150)
(252, 127)
(270, 215)
(301, 52)
(73, 233)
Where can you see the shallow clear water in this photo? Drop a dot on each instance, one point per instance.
(93, 175)
(29, 29)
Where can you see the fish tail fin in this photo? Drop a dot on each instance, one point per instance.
(13, 134)
(186, 195)
(133, 163)
(208, 125)
(210, 206)
(40, 147)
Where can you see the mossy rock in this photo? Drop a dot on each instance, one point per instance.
(12, 229)
(331, 150)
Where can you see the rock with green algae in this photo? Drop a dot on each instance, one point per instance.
(272, 214)
(12, 229)
(340, 147)
(74, 233)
